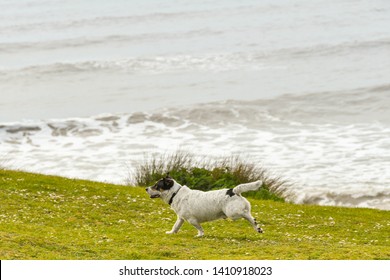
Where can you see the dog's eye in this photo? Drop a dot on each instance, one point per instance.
(155, 187)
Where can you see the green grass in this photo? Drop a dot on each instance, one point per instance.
(47, 217)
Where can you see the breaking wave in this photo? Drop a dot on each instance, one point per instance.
(338, 162)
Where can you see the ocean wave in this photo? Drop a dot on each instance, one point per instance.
(340, 48)
(228, 61)
(103, 21)
(368, 199)
(354, 107)
(254, 61)
(330, 161)
(121, 19)
(82, 42)
(148, 65)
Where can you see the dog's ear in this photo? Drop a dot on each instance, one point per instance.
(167, 183)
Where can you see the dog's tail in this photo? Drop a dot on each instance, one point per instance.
(253, 186)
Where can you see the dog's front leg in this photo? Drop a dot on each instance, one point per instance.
(176, 226)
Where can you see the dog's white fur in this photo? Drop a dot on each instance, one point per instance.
(197, 207)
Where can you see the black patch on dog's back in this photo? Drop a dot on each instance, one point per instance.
(230, 192)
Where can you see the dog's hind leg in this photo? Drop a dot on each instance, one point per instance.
(253, 222)
(176, 226)
(197, 225)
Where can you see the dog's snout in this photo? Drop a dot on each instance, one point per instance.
(146, 189)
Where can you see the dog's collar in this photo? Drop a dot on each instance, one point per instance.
(174, 194)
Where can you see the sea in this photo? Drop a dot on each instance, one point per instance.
(90, 88)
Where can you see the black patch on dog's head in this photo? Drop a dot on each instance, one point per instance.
(230, 192)
(164, 183)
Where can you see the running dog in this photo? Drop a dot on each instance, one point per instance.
(197, 207)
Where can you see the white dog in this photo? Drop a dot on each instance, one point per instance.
(197, 207)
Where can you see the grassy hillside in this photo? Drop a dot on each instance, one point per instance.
(46, 217)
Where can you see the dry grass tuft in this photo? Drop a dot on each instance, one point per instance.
(209, 174)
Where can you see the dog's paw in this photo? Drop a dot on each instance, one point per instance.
(170, 232)
(259, 230)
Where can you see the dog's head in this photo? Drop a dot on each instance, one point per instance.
(161, 188)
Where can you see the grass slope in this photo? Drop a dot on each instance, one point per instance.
(47, 217)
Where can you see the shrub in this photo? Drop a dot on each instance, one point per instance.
(204, 175)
